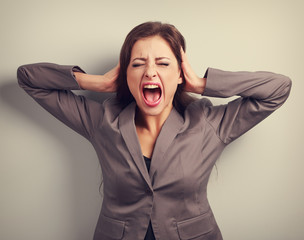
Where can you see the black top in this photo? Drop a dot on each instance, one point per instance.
(149, 234)
(148, 162)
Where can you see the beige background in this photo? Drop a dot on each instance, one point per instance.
(49, 175)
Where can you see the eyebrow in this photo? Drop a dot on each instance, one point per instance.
(144, 59)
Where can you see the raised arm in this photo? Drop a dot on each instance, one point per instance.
(51, 84)
(261, 93)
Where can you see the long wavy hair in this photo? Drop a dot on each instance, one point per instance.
(176, 41)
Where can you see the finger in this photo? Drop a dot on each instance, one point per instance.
(118, 66)
(182, 54)
(116, 69)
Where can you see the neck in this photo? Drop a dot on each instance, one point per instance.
(152, 124)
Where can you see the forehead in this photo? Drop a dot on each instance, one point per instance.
(154, 46)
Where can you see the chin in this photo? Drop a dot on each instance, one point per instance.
(154, 111)
(150, 111)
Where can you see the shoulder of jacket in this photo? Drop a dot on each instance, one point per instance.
(112, 106)
(199, 104)
(196, 111)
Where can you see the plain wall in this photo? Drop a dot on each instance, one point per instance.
(50, 176)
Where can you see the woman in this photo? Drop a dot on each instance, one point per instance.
(156, 145)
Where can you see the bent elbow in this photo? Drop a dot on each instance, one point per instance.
(285, 86)
(22, 76)
(282, 91)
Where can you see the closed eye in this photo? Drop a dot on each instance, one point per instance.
(136, 65)
(163, 64)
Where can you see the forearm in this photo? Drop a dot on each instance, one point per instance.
(90, 82)
(97, 83)
(264, 86)
(199, 87)
(46, 77)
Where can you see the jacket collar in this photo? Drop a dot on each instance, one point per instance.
(166, 136)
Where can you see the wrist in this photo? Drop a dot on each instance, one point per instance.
(79, 76)
(89, 82)
(199, 88)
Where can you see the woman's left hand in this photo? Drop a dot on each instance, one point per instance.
(193, 83)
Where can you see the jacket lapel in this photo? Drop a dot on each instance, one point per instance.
(170, 129)
(128, 132)
(167, 134)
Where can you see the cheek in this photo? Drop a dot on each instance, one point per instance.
(171, 90)
(175, 78)
(174, 73)
(132, 83)
(171, 85)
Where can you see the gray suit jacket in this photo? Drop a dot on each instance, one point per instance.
(174, 193)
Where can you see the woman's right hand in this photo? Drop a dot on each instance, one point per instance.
(193, 83)
(98, 83)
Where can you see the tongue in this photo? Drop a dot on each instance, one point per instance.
(152, 95)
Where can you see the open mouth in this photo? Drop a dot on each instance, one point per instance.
(152, 94)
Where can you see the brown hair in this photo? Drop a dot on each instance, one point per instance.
(148, 29)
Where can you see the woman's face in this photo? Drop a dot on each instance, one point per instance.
(153, 75)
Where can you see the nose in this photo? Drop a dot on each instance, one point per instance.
(150, 72)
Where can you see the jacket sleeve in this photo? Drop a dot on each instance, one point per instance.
(50, 85)
(260, 94)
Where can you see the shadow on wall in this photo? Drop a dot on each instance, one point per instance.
(77, 155)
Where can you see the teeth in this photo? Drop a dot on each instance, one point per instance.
(151, 86)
